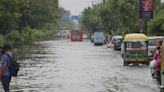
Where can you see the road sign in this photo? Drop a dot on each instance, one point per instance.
(75, 17)
(65, 18)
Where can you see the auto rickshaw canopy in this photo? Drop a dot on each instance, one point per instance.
(135, 36)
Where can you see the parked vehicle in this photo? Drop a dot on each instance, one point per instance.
(153, 42)
(98, 38)
(117, 40)
(76, 35)
(135, 49)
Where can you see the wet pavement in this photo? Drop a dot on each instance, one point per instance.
(64, 66)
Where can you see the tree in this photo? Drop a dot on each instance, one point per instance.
(116, 16)
(8, 15)
(38, 14)
(156, 25)
(91, 19)
(65, 24)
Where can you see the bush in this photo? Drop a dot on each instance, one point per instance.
(26, 36)
(13, 37)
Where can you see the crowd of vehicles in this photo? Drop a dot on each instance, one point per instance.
(137, 48)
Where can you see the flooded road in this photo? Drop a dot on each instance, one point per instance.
(64, 66)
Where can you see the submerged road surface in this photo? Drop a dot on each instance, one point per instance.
(64, 66)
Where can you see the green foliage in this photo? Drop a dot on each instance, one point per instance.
(112, 17)
(27, 36)
(44, 13)
(25, 21)
(8, 16)
(156, 26)
(38, 34)
(91, 19)
(12, 37)
(62, 11)
(38, 14)
(117, 16)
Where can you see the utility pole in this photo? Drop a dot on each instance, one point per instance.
(145, 27)
(104, 1)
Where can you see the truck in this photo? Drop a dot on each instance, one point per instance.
(98, 38)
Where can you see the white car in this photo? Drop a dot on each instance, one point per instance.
(153, 42)
(112, 41)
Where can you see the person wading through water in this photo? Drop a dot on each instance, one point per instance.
(5, 74)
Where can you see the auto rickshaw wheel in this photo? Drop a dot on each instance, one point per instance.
(146, 63)
(125, 63)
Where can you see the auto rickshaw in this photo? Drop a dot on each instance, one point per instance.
(135, 49)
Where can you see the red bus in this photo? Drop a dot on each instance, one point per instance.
(76, 35)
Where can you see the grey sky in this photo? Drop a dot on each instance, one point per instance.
(76, 6)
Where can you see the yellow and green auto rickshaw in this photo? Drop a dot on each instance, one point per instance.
(135, 49)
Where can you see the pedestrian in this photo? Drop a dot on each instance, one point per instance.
(5, 75)
(157, 55)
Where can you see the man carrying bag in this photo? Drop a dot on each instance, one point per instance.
(7, 68)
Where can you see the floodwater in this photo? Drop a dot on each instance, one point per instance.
(64, 66)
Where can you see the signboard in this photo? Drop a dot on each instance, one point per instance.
(73, 17)
(65, 18)
(146, 9)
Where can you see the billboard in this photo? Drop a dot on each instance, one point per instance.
(146, 9)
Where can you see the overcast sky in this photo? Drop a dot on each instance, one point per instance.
(76, 6)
